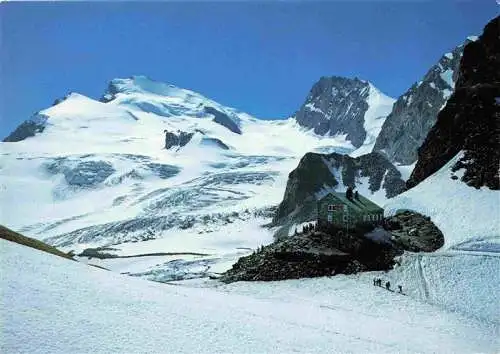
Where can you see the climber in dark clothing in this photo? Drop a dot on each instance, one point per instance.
(400, 289)
(348, 193)
(374, 281)
(356, 195)
(388, 286)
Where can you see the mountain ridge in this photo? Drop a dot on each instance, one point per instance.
(415, 111)
(469, 123)
(338, 105)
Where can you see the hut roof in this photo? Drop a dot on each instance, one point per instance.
(361, 205)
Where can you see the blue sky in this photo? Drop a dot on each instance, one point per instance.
(260, 57)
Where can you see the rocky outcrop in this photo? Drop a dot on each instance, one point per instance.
(313, 254)
(28, 128)
(329, 251)
(415, 113)
(415, 232)
(309, 177)
(178, 139)
(336, 105)
(317, 172)
(223, 119)
(470, 121)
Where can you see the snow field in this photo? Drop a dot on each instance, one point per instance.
(92, 310)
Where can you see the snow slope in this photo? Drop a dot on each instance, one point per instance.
(58, 306)
(458, 281)
(379, 107)
(463, 275)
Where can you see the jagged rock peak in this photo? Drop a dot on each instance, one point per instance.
(28, 128)
(469, 124)
(415, 112)
(338, 106)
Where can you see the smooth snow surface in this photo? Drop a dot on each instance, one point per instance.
(463, 275)
(379, 107)
(406, 170)
(52, 305)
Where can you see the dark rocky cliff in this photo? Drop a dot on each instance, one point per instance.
(415, 113)
(28, 128)
(336, 105)
(470, 121)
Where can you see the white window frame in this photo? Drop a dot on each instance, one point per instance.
(329, 217)
(331, 207)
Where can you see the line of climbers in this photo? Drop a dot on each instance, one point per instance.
(378, 282)
(351, 194)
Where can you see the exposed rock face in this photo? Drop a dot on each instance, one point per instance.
(223, 119)
(415, 112)
(318, 171)
(27, 129)
(470, 121)
(309, 177)
(415, 232)
(336, 105)
(176, 140)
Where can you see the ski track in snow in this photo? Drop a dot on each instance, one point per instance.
(421, 274)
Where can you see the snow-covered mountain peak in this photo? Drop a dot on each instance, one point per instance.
(76, 103)
(140, 93)
(140, 84)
